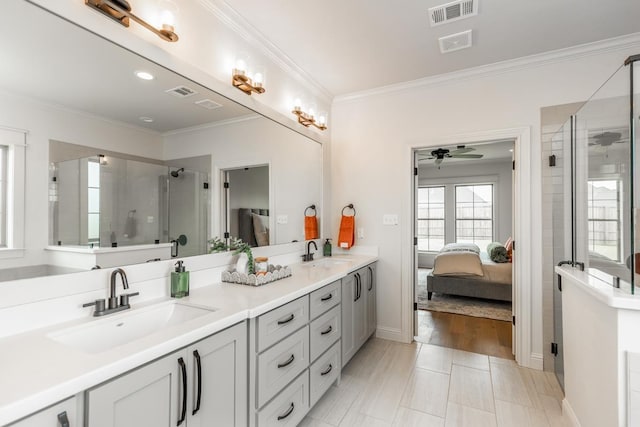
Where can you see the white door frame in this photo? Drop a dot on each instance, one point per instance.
(524, 236)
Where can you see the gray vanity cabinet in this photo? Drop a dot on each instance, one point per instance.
(212, 372)
(358, 310)
(53, 416)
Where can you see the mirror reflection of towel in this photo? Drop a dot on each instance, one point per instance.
(310, 227)
(130, 225)
(346, 237)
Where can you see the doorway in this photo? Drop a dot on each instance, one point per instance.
(463, 215)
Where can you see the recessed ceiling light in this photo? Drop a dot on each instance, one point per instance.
(146, 119)
(511, 150)
(144, 75)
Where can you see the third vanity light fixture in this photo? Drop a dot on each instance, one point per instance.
(242, 80)
(120, 11)
(309, 119)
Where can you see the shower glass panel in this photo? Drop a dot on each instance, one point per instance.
(188, 211)
(132, 204)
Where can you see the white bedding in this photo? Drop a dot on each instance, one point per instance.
(461, 260)
(495, 271)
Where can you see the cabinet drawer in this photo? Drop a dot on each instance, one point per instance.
(323, 373)
(282, 363)
(278, 323)
(49, 417)
(323, 299)
(324, 331)
(289, 407)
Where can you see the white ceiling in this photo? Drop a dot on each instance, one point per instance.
(354, 45)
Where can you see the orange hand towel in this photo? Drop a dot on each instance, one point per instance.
(310, 227)
(347, 232)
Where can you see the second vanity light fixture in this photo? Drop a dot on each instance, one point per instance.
(120, 11)
(241, 80)
(309, 119)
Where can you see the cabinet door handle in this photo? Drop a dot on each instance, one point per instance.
(359, 285)
(327, 331)
(286, 414)
(196, 355)
(355, 285)
(326, 298)
(183, 369)
(327, 371)
(287, 363)
(287, 320)
(370, 278)
(63, 420)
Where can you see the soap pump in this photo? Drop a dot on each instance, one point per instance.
(326, 248)
(179, 281)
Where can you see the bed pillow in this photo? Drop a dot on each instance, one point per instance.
(261, 229)
(461, 247)
(497, 252)
(457, 263)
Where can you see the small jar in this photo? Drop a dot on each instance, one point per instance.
(262, 265)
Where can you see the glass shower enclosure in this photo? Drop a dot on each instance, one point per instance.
(596, 220)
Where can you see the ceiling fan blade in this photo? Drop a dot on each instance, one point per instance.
(468, 156)
(438, 161)
(462, 150)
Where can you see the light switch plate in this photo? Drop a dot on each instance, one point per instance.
(360, 233)
(390, 219)
(282, 219)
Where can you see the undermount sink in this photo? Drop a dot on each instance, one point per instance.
(105, 334)
(326, 262)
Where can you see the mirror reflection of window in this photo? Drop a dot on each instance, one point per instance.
(431, 218)
(93, 201)
(604, 209)
(4, 151)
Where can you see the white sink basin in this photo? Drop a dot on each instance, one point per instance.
(326, 262)
(122, 328)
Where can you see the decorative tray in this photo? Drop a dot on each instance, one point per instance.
(275, 272)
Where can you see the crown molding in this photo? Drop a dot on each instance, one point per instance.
(537, 60)
(238, 24)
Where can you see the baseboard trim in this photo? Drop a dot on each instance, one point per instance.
(567, 412)
(391, 334)
(536, 361)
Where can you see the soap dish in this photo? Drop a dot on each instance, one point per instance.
(276, 272)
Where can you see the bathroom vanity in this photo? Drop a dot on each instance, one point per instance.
(236, 354)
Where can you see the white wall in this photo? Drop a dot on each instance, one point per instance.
(372, 137)
(44, 122)
(295, 167)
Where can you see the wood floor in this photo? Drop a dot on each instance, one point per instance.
(473, 334)
(389, 384)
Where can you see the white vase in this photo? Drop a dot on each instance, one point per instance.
(241, 264)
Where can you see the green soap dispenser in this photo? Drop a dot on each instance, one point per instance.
(179, 281)
(326, 249)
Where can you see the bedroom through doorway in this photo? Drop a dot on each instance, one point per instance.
(463, 281)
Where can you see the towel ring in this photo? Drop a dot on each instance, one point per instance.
(313, 208)
(349, 206)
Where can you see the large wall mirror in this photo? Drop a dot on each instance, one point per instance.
(117, 159)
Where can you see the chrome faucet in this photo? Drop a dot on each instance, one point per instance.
(112, 305)
(309, 256)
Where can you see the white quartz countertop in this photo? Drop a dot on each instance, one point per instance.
(600, 290)
(37, 371)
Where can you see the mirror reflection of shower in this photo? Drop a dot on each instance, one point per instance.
(108, 201)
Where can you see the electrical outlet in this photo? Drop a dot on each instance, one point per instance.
(360, 233)
(389, 219)
(150, 220)
(282, 219)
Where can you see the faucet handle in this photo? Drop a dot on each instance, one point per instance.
(99, 303)
(124, 298)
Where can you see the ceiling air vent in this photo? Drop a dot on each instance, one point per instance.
(452, 11)
(455, 42)
(181, 91)
(208, 104)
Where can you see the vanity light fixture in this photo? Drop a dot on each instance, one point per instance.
(308, 119)
(240, 78)
(120, 11)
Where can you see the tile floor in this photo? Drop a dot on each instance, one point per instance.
(393, 384)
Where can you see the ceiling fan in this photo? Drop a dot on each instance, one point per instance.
(461, 152)
(607, 139)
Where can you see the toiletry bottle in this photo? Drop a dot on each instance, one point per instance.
(179, 281)
(326, 249)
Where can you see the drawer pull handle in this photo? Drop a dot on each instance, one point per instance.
(286, 414)
(183, 369)
(327, 371)
(370, 278)
(327, 331)
(326, 298)
(287, 320)
(63, 420)
(287, 363)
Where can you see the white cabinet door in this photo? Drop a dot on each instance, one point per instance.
(54, 416)
(353, 316)
(360, 329)
(372, 320)
(150, 396)
(219, 378)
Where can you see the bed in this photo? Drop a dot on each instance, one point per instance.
(461, 269)
(253, 226)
